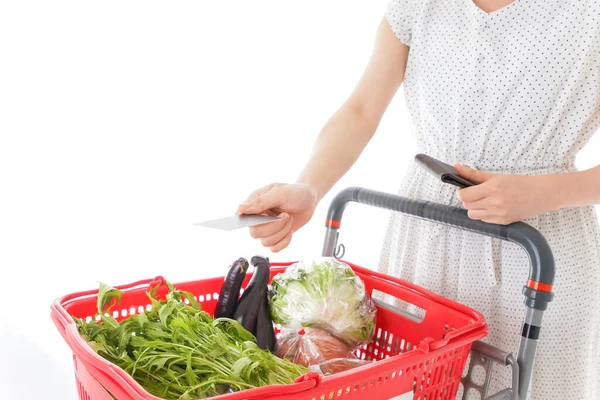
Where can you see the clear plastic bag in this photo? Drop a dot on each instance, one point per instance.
(327, 294)
(317, 349)
(338, 365)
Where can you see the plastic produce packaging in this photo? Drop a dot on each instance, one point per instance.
(337, 365)
(317, 349)
(325, 294)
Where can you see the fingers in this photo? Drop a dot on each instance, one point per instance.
(485, 203)
(242, 208)
(261, 201)
(275, 235)
(275, 238)
(260, 191)
(283, 243)
(473, 174)
(473, 193)
(490, 217)
(478, 214)
(489, 209)
(265, 230)
(477, 192)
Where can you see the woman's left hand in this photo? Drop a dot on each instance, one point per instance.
(505, 198)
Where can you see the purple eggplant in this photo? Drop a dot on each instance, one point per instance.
(249, 304)
(230, 291)
(265, 335)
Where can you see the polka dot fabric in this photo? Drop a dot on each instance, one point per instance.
(513, 91)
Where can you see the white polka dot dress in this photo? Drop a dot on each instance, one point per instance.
(513, 91)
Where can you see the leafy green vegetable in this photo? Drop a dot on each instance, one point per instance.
(105, 295)
(177, 351)
(327, 294)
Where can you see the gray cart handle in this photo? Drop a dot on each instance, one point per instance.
(537, 291)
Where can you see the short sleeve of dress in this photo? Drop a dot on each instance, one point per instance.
(400, 16)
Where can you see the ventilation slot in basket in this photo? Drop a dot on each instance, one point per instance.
(81, 391)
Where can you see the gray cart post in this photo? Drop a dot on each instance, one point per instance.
(537, 291)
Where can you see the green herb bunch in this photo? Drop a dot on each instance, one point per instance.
(177, 351)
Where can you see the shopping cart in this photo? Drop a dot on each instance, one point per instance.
(420, 357)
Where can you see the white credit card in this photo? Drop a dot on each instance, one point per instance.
(238, 221)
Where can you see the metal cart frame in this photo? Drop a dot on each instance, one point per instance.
(537, 291)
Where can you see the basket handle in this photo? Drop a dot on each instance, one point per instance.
(61, 317)
(478, 321)
(541, 274)
(537, 291)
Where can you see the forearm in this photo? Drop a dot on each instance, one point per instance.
(337, 148)
(347, 133)
(575, 189)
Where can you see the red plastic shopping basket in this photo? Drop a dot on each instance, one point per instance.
(416, 359)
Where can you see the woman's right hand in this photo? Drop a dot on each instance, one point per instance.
(294, 203)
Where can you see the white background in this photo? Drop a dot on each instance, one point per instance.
(123, 123)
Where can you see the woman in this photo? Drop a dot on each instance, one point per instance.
(513, 90)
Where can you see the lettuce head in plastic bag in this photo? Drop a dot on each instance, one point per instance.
(324, 293)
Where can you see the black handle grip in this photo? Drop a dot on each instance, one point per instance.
(542, 269)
